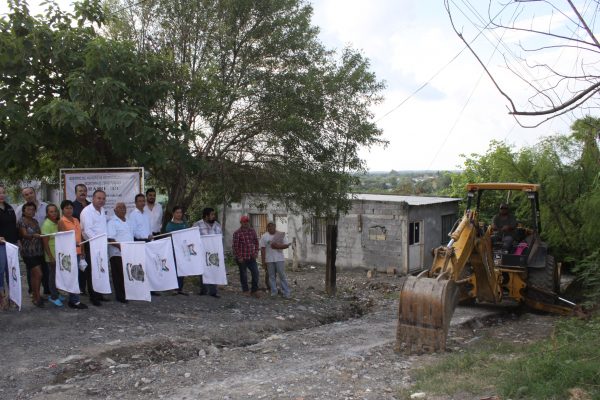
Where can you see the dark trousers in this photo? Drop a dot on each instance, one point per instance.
(253, 267)
(207, 288)
(94, 296)
(82, 281)
(116, 269)
(45, 277)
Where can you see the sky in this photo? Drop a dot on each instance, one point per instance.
(410, 43)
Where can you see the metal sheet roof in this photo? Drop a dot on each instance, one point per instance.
(411, 200)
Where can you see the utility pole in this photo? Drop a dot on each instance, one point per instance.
(330, 269)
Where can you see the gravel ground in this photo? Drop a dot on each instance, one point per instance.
(235, 347)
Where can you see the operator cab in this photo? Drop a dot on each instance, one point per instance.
(517, 247)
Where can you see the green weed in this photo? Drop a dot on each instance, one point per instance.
(543, 370)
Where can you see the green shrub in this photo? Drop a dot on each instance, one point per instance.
(569, 359)
(588, 274)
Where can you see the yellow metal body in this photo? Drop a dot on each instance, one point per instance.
(462, 270)
(525, 187)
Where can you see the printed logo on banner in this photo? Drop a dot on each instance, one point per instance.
(188, 250)
(212, 259)
(13, 271)
(135, 272)
(64, 262)
(160, 265)
(100, 261)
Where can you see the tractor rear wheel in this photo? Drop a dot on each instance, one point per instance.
(546, 279)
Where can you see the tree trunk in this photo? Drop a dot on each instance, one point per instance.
(330, 270)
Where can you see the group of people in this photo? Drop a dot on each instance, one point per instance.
(32, 225)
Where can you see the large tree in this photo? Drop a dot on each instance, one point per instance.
(268, 109)
(214, 98)
(72, 98)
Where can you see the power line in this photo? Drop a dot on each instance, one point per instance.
(439, 71)
(459, 116)
(422, 86)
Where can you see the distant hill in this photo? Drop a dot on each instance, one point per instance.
(426, 182)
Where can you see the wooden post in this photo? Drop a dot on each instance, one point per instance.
(330, 270)
(294, 256)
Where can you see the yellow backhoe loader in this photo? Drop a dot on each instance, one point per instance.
(477, 267)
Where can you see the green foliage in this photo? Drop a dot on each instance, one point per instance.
(213, 97)
(268, 109)
(543, 370)
(588, 272)
(71, 98)
(567, 168)
(406, 183)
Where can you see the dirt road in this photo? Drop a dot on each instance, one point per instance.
(235, 347)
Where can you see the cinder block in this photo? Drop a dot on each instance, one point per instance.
(371, 273)
(391, 271)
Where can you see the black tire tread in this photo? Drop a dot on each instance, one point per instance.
(543, 278)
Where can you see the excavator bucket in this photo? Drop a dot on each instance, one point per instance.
(426, 307)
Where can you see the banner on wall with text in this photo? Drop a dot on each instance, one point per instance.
(119, 184)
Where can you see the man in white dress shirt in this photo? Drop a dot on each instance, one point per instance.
(139, 220)
(93, 223)
(155, 211)
(118, 231)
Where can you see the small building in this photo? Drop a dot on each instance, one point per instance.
(379, 231)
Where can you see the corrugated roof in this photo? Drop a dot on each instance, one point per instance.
(411, 200)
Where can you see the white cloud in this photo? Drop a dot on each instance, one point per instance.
(408, 43)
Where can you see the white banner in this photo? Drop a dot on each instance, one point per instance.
(14, 273)
(99, 259)
(188, 252)
(135, 275)
(214, 260)
(65, 251)
(119, 184)
(160, 265)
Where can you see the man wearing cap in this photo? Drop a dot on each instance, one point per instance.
(504, 225)
(245, 251)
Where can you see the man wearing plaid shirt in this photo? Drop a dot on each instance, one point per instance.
(245, 250)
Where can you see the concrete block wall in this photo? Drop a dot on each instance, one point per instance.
(382, 254)
(355, 248)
